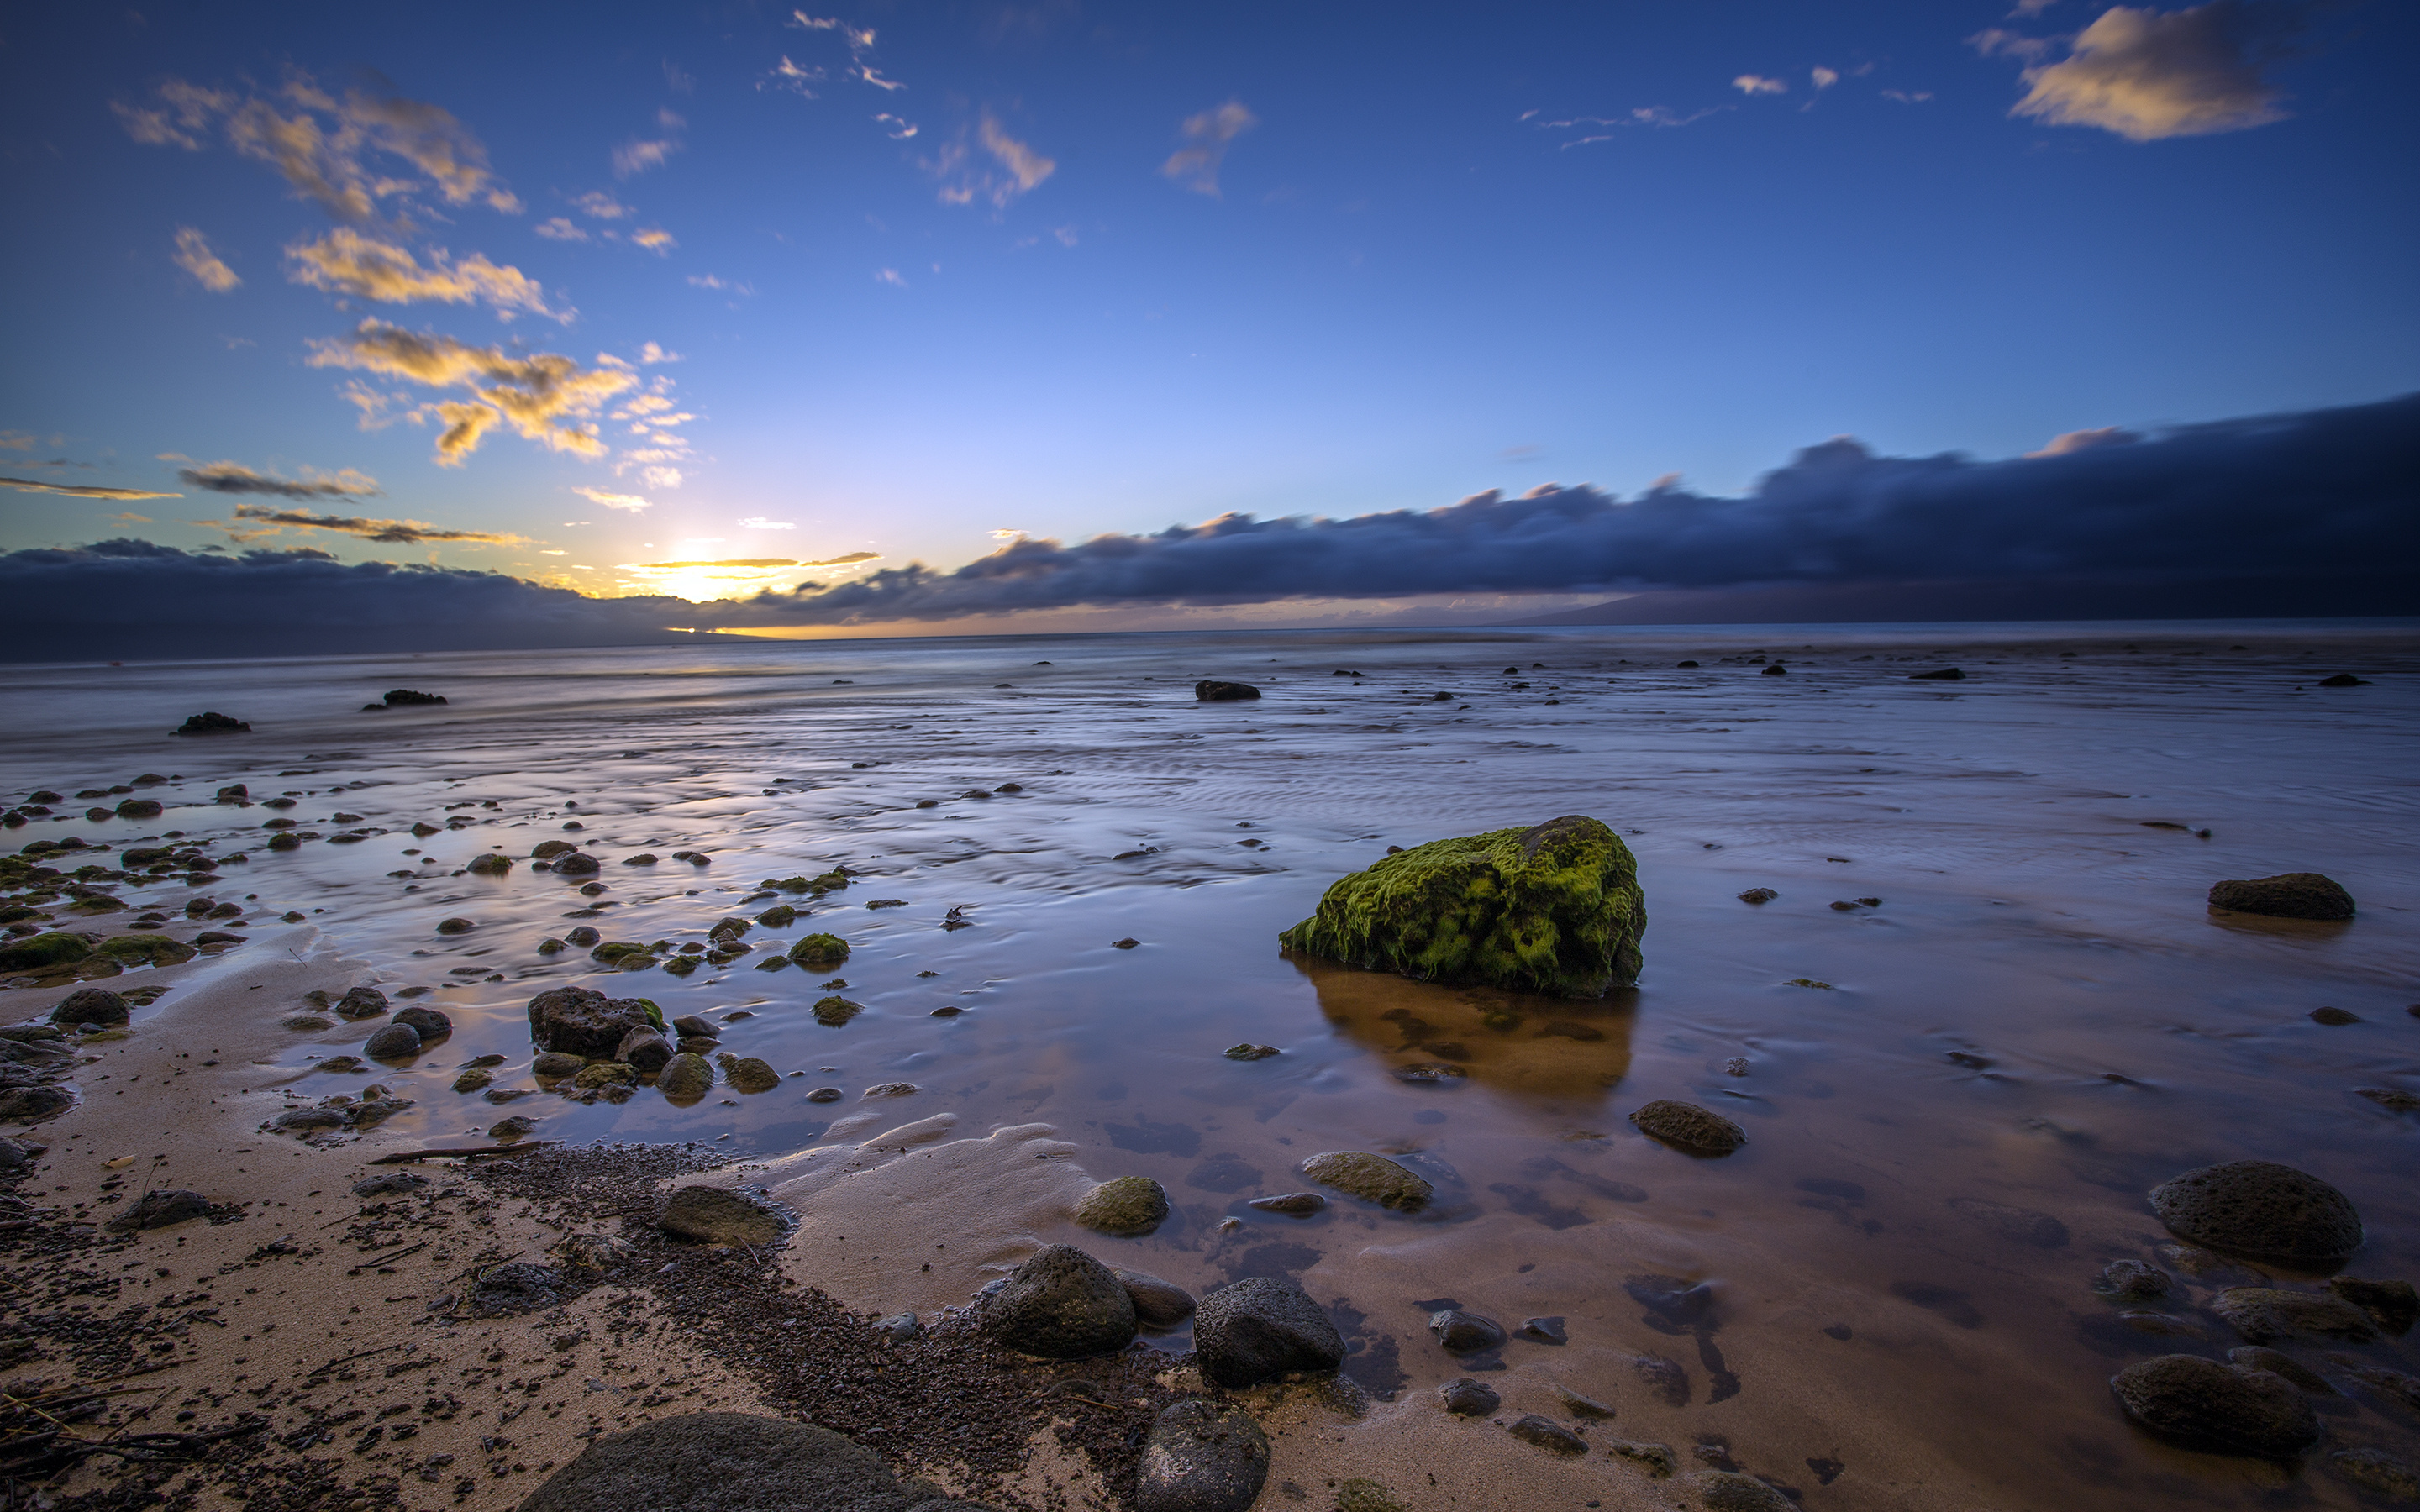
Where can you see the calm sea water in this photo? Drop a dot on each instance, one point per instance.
(1949, 1135)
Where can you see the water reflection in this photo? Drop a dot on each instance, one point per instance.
(1432, 1035)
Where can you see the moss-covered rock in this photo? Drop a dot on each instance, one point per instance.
(1127, 1207)
(34, 951)
(1555, 909)
(1371, 1178)
(686, 1075)
(820, 950)
(146, 949)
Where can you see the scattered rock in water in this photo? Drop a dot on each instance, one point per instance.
(1726, 1490)
(716, 1215)
(53, 947)
(1157, 1303)
(826, 1094)
(891, 1090)
(91, 1005)
(2267, 1314)
(555, 1064)
(2206, 1405)
(1664, 1377)
(514, 1287)
(1371, 1178)
(2260, 1209)
(390, 1184)
(2019, 1225)
(2286, 895)
(2375, 1470)
(1201, 1458)
(1211, 691)
(1546, 1434)
(146, 949)
(2393, 1306)
(1127, 1207)
(473, 1080)
(1759, 895)
(686, 1075)
(2132, 1281)
(487, 865)
(305, 1023)
(2255, 1357)
(1262, 1329)
(2343, 680)
(1656, 1460)
(396, 1041)
(158, 1210)
(576, 864)
(456, 926)
(1554, 910)
(730, 1462)
(362, 1003)
(1944, 674)
(1293, 1204)
(512, 1128)
(398, 698)
(749, 1074)
(831, 1012)
(1461, 1332)
(1061, 1304)
(580, 1022)
(2335, 1018)
(1688, 1127)
(820, 951)
(1671, 1297)
(1466, 1397)
(211, 724)
(644, 1050)
(429, 1024)
(2393, 1099)
(1248, 1051)
(1545, 1331)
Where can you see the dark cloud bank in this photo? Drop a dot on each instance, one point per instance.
(2314, 513)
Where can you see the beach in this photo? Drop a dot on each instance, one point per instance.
(1985, 1009)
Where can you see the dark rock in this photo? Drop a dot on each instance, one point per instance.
(512, 1128)
(1545, 1331)
(713, 1215)
(2343, 680)
(90, 1005)
(31, 1104)
(1945, 674)
(1061, 1304)
(1759, 895)
(514, 1287)
(1201, 1458)
(644, 1050)
(1548, 1434)
(2335, 1018)
(1209, 691)
(139, 809)
(1466, 1397)
(686, 1075)
(430, 1024)
(1689, 1127)
(1672, 1296)
(2375, 1470)
(362, 1003)
(2260, 1209)
(390, 1184)
(2288, 895)
(1127, 1207)
(456, 926)
(1664, 1377)
(555, 1064)
(820, 951)
(2210, 1405)
(1248, 1051)
(1554, 910)
(2132, 1281)
(2019, 1225)
(2393, 1305)
(1725, 1490)
(1371, 1178)
(826, 1094)
(728, 1462)
(16, 1156)
(1293, 1204)
(748, 1074)
(1655, 1460)
(211, 724)
(831, 1012)
(50, 949)
(1262, 1329)
(2254, 1357)
(1459, 1331)
(1156, 1304)
(158, 1210)
(578, 1020)
(692, 1026)
(1579, 1406)
(487, 865)
(576, 864)
(2267, 1315)
(400, 696)
(396, 1041)
(306, 1119)
(1776, 670)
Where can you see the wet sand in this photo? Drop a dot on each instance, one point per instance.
(1948, 1137)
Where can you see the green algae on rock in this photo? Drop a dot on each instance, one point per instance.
(1371, 1178)
(1126, 1206)
(1554, 910)
(820, 950)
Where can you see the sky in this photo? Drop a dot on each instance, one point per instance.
(881, 309)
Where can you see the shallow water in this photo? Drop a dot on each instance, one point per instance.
(2040, 1020)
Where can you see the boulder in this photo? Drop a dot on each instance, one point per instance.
(1061, 1304)
(91, 1005)
(2375, 1470)
(31, 1104)
(1156, 1304)
(2260, 1209)
(575, 864)
(396, 1041)
(1262, 1329)
(1554, 910)
(713, 1215)
(211, 724)
(1371, 1178)
(820, 951)
(748, 1074)
(2286, 895)
(1211, 691)
(731, 1463)
(52, 948)
(580, 1021)
(1127, 1207)
(2267, 1314)
(2207, 1405)
(1200, 1457)
(1688, 1127)
(686, 1075)
(146, 949)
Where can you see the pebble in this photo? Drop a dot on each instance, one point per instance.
(1656, 1459)
(1460, 1332)
(1689, 1127)
(1127, 1207)
(1294, 1204)
(1725, 1491)
(1466, 1397)
(1545, 1331)
(1371, 1178)
(1157, 1303)
(2133, 1280)
(1548, 1434)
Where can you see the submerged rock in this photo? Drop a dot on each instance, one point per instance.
(730, 1462)
(396, 1041)
(2375, 1470)
(362, 1003)
(1697, 1130)
(2267, 1314)
(2132, 1281)
(211, 724)
(51, 948)
(2210, 1405)
(1554, 910)
(1725, 1490)
(1261, 1329)
(2286, 895)
(1201, 1458)
(1656, 1460)
(430, 1024)
(1127, 1207)
(2393, 1305)
(1371, 1178)
(820, 951)
(1460, 1332)
(748, 1074)
(2260, 1209)
(1061, 1304)
(686, 1075)
(1157, 1303)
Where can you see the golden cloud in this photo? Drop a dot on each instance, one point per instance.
(392, 531)
(80, 491)
(346, 262)
(194, 256)
(541, 395)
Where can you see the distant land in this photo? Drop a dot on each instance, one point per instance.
(2363, 595)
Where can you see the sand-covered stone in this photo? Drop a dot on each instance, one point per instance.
(1546, 1434)
(2376, 1470)
(1061, 1304)
(1698, 1131)
(1127, 1207)
(1459, 1330)
(2288, 895)
(731, 1463)
(2207, 1405)
(1555, 909)
(1655, 1460)
(2262, 1209)
(717, 1215)
(1262, 1329)
(1371, 1178)
(1201, 1458)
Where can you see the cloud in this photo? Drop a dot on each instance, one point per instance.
(601, 206)
(655, 239)
(325, 148)
(1194, 165)
(2027, 9)
(233, 477)
(849, 560)
(1824, 78)
(558, 228)
(1656, 116)
(662, 477)
(1904, 98)
(80, 491)
(897, 128)
(965, 178)
(614, 500)
(1749, 83)
(2077, 441)
(2318, 492)
(2148, 76)
(890, 276)
(194, 256)
(346, 262)
(390, 532)
(540, 395)
(758, 522)
(650, 352)
(638, 157)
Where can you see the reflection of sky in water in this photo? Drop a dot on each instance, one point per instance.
(2038, 1022)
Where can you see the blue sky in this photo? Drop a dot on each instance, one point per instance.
(1134, 268)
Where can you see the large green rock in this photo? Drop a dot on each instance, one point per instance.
(1554, 910)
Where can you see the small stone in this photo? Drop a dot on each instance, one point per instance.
(1127, 1207)
(512, 1128)
(1211, 691)
(390, 1184)
(456, 926)
(831, 1012)
(2132, 1281)
(1664, 1377)
(1759, 895)
(820, 951)
(1157, 1303)
(1359, 1494)
(473, 1080)
(713, 1215)
(1548, 1434)
(746, 1073)
(891, 1090)
(362, 1003)
(554, 1064)
(1459, 1331)
(1579, 1406)
(429, 1024)
(1689, 1127)
(396, 1041)
(1201, 1458)
(1466, 1397)
(91, 1005)
(1294, 1204)
(1248, 1051)
(2288, 895)
(2206, 1405)
(2335, 1018)
(158, 1210)
(1545, 1331)
(826, 1094)
(1371, 1178)
(686, 1075)
(899, 1327)
(644, 1050)
(2267, 1314)
(598, 1074)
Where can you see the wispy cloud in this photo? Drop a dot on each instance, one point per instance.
(1596, 128)
(1824, 78)
(630, 501)
(758, 522)
(193, 254)
(1907, 97)
(655, 238)
(662, 477)
(890, 276)
(599, 205)
(1194, 165)
(633, 158)
(79, 491)
(346, 262)
(544, 396)
(233, 477)
(2147, 75)
(388, 532)
(559, 228)
(1751, 85)
(2083, 441)
(967, 178)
